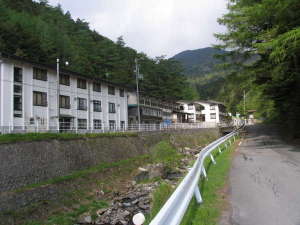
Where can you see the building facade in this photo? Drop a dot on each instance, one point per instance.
(152, 111)
(213, 111)
(30, 98)
(192, 111)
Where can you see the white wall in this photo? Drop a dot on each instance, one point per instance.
(207, 111)
(49, 113)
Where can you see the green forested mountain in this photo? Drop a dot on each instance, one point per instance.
(40, 32)
(200, 61)
(203, 70)
(271, 29)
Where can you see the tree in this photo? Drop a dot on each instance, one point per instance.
(270, 30)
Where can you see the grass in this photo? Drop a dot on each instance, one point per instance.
(162, 152)
(165, 153)
(159, 197)
(12, 138)
(84, 173)
(67, 218)
(208, 213)
(63, 211)
(75, 202)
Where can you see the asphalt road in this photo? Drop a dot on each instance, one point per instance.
(264, 181)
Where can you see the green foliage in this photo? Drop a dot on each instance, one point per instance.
(159, 197)
(199, 62)
(41, 33)
(269, 28)
(164, 153)
(12, 138)
(209, 211)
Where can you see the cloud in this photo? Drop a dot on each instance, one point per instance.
(152, 26)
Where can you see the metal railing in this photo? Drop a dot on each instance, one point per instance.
(100, 127)
(174, 209)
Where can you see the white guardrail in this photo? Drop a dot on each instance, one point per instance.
(174, 209)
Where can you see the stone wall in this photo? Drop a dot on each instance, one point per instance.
(34, 162)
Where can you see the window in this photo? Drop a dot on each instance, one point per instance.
(212, 107)
(18, 89)
(39, 98)
(181, 107)
(82, 104)
(97, 106)
(212, 116)
(97, 87)
(190, 106)
(64, 102)
(111, 107)
(122, 125)
(97, 124)
(81, 83)
(18, 77)
(31, 121)
(39, 74)
(112, 125)
(64, 79)
(82, 124)
(121, 92)
(18, 103)
(111, 90)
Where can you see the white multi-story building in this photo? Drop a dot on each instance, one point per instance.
(204, 111)
(213, 111)
(192, 111)
(29, 99)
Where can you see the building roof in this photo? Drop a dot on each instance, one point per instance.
(62, 71)
(187, 102)
(210, 102)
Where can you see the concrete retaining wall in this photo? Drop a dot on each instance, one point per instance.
(33, 162)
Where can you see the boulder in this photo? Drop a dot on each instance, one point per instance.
(85, 218)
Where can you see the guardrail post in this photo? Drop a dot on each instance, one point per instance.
(198, 195)
(220, 151)
(212, 159)
(204, 172)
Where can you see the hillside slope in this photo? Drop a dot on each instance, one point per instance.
(200, 67)
(39, 32)
(200, 61)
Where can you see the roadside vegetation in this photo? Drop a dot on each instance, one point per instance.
(12, 138)
(212, 191)
(208, 213)
(83, 188)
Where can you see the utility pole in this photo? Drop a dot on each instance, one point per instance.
(58, 89)
(245, 104)
(58, 92)
(137, 75)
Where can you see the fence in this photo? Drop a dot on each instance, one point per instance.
(101, 127)
(175, 207)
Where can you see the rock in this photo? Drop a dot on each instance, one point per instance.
(156, 170)
(100, 212)
(143, 174)
(85, 218)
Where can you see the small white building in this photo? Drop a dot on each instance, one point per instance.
(203, 111)
(213, 111)
(30, 100)
(192, 111)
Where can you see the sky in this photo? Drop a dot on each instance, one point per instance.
(155, 27)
